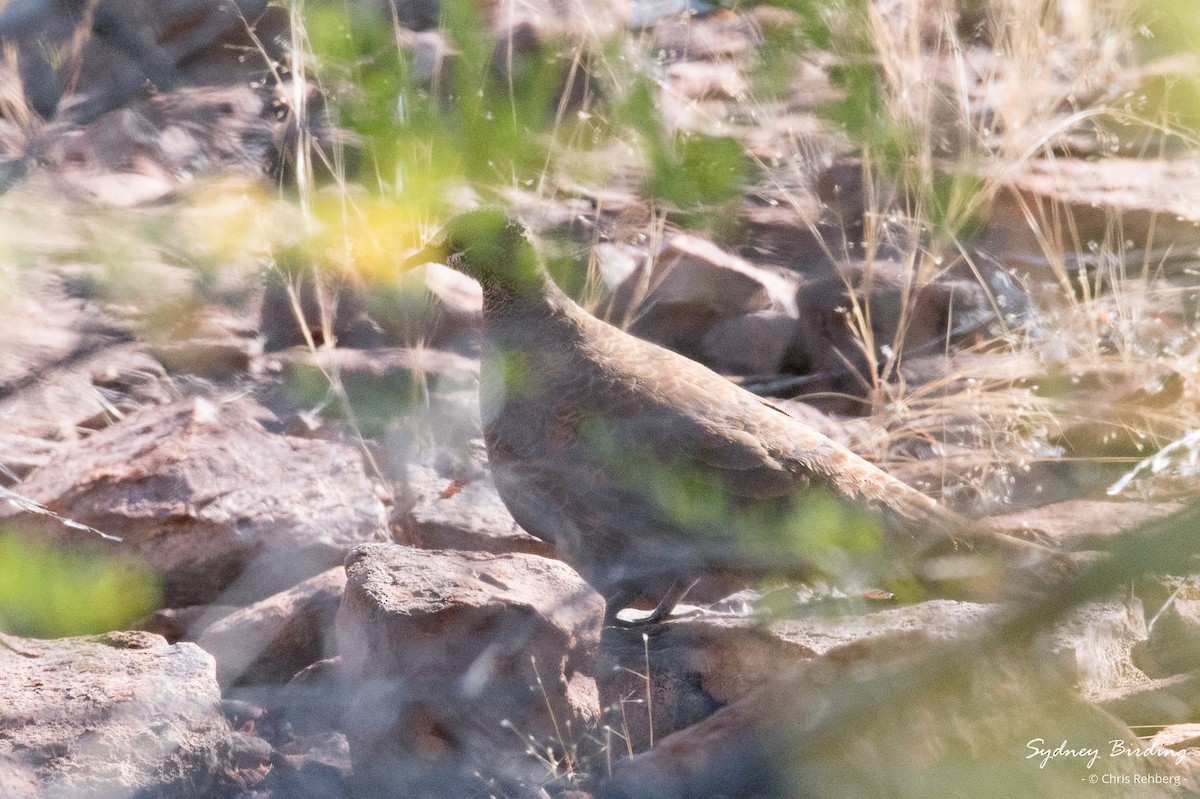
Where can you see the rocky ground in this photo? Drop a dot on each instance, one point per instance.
(276, 481)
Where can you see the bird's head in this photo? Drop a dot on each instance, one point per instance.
(492, 248)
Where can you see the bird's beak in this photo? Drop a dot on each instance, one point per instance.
(433, 252)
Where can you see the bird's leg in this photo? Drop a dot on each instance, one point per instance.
(673, 596)
(621, 599)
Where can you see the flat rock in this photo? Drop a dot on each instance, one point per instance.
(1080, 522)
(457, 650)
(938, 619)
(690, 269)
(1155, 200)
(273, 639)
(212, 358)
(120, 714)
(210, 500)
(452, 512)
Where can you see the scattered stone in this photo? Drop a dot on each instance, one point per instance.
(703, 80)
(684, 672)
(692, 270)
(430, 304)
(935, 620)
(878, 308)
(710, 38)
(21, 454)
(273, 639)
(1178, 736)
(209, 499)
(296, 311)
(677, 298)
(462, 656)
(114, 715)
(312, 767)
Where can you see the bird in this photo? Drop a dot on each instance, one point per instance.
(649, 473)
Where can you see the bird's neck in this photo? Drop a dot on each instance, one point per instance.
(504, 303)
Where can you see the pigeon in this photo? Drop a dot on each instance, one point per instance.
(650, 473)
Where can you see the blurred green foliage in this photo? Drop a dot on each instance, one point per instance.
(51, 593)
(1170, 28)
(809, 531)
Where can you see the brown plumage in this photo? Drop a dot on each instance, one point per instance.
(648, 471)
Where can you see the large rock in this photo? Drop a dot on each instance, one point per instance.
(463, 657)
(209, 499)
(122, 714)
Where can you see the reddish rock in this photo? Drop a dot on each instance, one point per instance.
(459, 651)
(273, 639)
(429, 304)
(451, 512)
(691, 286)
(209, 499)
(684, 672)
(114, 715)
(186, 623)
(19, 455)
(1094, 644)
(689, 269)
